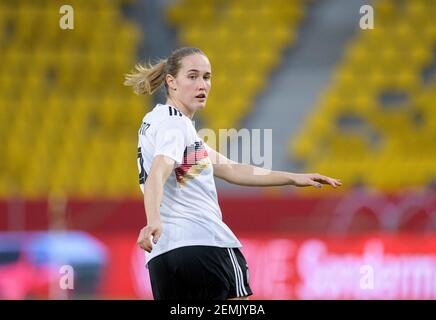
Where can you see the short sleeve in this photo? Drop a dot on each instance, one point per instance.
(170, 139)
(208, 149)
(212, 153)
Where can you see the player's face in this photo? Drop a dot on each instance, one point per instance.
(193, 81)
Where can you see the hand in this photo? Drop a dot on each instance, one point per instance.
(147, 234)
(315, 180)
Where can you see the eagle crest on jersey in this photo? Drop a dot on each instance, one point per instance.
(195, 160)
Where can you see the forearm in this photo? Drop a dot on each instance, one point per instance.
(248, 175)
(153, 194)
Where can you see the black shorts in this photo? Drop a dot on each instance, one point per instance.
(199, 273)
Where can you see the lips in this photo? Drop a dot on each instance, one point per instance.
(201, 96)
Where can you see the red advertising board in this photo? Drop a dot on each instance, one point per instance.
(304, 267)
(361, 244)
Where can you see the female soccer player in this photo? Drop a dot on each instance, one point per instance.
(192, 252)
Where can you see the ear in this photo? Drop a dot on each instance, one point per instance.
(171, 81)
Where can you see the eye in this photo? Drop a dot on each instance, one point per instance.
(192, 77)
(206, 77)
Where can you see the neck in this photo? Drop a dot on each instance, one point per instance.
(180, 107)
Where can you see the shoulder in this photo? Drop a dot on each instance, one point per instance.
(164, 111)
(168, 121)
(165, 115)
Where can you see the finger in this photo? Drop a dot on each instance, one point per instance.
(156, 236)
(148, 242)
(144, 241)
(332, 182)
(140, 237)
(144, 246)
(337, 182)
(141, 233)
(322, 179)
(326, 180)
(315, 184)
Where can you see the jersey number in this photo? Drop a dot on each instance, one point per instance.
(142, 173)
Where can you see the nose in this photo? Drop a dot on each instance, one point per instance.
(202, 84)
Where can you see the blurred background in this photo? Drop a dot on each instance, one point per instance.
(356, 104)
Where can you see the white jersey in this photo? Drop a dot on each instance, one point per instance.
(190, 213)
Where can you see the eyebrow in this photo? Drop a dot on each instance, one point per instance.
(195, 70)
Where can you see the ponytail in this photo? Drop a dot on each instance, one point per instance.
(148, 78)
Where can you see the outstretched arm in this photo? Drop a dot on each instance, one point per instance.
(248, 175)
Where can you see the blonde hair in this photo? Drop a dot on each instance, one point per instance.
(146, 79)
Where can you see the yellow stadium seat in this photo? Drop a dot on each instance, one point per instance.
(388, 60)
(60, 79)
